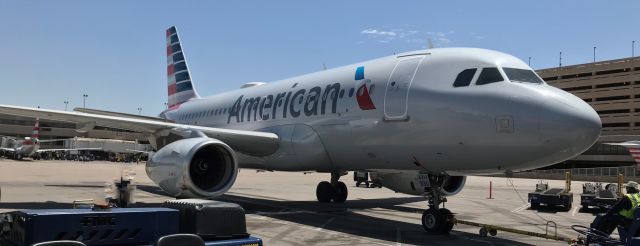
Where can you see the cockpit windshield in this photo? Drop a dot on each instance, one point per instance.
(522, 75)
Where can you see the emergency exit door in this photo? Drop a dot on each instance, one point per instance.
(396, 95)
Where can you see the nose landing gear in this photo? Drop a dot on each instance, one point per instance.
(436, 220)
(335, 190)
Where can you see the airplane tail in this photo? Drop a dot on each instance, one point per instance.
(180, 86)
(36, 130)
(35, 134)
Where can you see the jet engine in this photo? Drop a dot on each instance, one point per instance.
(418, 184)
(194, 168)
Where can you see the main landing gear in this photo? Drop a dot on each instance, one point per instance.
(436, 220)
(335, 190)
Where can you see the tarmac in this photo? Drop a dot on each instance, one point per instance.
(282, 209)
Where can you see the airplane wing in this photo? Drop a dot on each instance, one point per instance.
(50, 140)
(8, 149)
(52, 150)
(248, 142)
(626, 144)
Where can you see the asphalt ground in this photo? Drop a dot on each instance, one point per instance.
(282, 209)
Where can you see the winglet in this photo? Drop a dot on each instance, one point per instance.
(180, 88)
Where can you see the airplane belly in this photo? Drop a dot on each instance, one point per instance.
(300, 149)
(362, 145)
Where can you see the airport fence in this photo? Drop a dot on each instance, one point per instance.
(630, 172)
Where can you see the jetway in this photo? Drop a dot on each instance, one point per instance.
(107, 145)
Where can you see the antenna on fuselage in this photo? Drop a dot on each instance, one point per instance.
(324, 66)
(430, 43)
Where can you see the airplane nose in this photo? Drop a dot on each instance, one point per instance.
(568, 125)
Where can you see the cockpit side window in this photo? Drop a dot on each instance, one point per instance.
(522, 75)
(489, 75)
(464, 78)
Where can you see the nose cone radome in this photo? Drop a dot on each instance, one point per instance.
(568, 125)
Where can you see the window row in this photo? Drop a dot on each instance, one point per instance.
(490, 75)
(209, 113)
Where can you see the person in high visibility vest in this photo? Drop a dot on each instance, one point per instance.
(623, 212)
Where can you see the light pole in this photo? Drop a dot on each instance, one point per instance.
(84, 100)
(633, 46)
(139, 111)
(66, 103)
(594, 54)
(529, 61)
(560, 62)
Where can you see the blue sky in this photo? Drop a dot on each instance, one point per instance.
(114, 51)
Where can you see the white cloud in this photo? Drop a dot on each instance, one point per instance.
(376, 32)
(388, 35)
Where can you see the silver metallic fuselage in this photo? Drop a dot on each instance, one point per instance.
(423, 124)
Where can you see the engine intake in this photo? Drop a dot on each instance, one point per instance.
(453, 185)
(194, 167)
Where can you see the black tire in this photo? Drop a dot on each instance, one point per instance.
(535, 205)
(358, 183)
(340, 192)
(324, 191)
(482, 232)
(437, 222)
(448, 219)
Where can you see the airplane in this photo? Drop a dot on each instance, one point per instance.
(30, 146)
(423, 119)
(633, 147)
(26, 147)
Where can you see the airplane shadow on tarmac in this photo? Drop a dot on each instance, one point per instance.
(344, 218)
(34, 205)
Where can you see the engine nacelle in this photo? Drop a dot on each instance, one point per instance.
(417, 184)
(194, 167)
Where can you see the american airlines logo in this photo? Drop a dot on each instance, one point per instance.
(311, 102)
(286, 104)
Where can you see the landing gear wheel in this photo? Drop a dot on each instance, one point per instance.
(437, 221)
(493, 233)
(483, 232)
(448, 219)
(340, 192)
(324, 191)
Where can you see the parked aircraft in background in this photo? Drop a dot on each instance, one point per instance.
(26, 147)
(421, 120)
(633, 147)
(29, 147)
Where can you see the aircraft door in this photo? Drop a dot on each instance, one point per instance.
(397, 93)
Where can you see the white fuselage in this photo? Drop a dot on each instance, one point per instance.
(402, 112)
(26, 147)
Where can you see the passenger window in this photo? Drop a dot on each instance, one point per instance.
(489, 75)
(464, 78)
